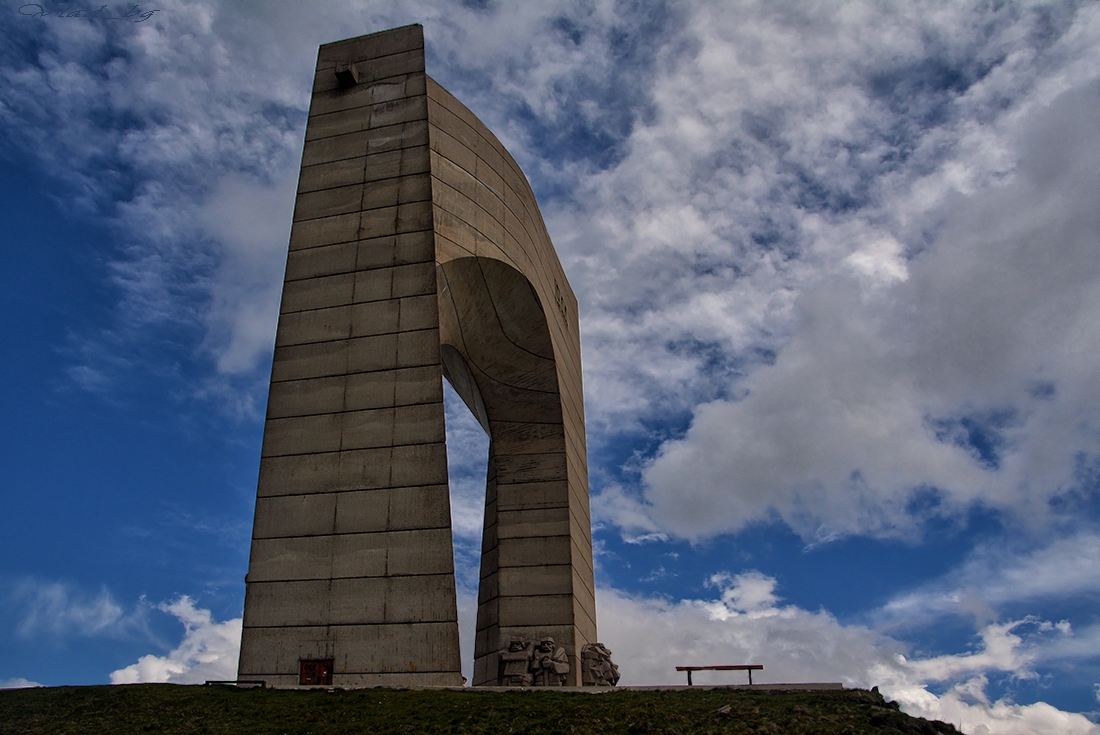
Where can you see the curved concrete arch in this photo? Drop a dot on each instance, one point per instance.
(501, 361)
(417, 252)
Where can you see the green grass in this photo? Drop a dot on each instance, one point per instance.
(167, 708)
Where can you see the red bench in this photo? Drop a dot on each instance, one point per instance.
(739, 667)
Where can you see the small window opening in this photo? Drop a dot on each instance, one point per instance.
(316, 673)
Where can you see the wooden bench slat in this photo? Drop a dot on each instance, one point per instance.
(737, 667)
(729, 667)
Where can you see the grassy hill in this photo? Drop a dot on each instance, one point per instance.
(168, 708)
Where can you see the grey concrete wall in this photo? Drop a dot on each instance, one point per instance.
(417, 249)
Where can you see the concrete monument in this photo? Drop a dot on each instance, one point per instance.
(417, 252)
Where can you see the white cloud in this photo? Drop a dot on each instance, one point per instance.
(467, 463)
(251, 221)
(467, 629)
(650, 636)
(752, 203)
(929, 383)
(56, 609)
(209, 650)
(994, 577)
(185, 132)
(18, 683)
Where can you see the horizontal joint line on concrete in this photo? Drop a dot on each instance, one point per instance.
(460, 193)
(354, 270)
(525, 454)
(360, 372)
(380, 80)
(555, 595)
(528, 536)
(366, 105)
(349, 449)
(473, 176)
(523, 224)
(366, 154)
(494, 144)
(445, 576)
(325, 66)
(460, 218)
(533, 565)
(382, 674)
(337, 674)
(352, 489)
(364, 182)
(521, 627)
(361, 336)
(361, 209)
(553, 505)
(365, 239)
(530, 506)
(356, 303)
(391, 79)
(321, 376)
(348, 410)
(361, 533)
(349, 625)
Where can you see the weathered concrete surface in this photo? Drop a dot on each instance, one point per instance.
(417, 251)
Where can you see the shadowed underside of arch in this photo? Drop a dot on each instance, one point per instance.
(417, 252)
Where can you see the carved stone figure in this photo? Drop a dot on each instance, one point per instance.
(597, 668)
(515, 663)
(550, 665)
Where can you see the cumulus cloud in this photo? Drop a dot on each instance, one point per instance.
(797, 249)
(18, 683)
(209, 650)
(965, 375)
(755, 173)
(747, 623)
(818, 243)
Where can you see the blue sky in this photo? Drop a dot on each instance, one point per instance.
(838, 267)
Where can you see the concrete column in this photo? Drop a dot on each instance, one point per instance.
(351, 553)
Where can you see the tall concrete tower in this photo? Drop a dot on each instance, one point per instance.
(417, 252)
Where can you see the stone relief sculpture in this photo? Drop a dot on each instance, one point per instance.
(515, 664)
(544, 665)
(597, 668)
(550, 665)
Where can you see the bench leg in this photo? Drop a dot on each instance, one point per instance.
(689, 677)
(750, 677)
